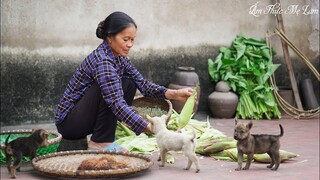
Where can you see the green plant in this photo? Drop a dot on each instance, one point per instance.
(246, 66)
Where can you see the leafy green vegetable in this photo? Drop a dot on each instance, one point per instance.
(247, 66)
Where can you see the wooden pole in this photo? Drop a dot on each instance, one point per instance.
(289, 63)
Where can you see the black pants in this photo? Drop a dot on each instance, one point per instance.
(92, 116)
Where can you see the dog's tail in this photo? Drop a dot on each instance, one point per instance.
(6, 142)
(281, 131)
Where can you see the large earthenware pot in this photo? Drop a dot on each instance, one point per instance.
(185, 77)
(309, 99)
(223, 102)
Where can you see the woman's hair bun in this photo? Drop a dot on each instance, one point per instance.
(113, 24)
(99, 30)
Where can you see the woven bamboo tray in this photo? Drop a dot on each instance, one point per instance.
(146, 102)
(65, 164)
(54, 139)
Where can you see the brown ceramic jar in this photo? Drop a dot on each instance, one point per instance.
(185, 77)
(223, 102)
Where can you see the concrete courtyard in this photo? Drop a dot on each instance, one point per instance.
(300, 137)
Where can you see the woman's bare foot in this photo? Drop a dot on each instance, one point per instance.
(97, 146)
(102, 146)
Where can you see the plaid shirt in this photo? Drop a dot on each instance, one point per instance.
(102, 67)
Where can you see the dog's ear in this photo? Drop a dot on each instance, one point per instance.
(149, 119)
(44, 134)
(249, 125)
(235, 121)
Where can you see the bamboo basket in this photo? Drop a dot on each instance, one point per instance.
(152, 103)
(65, 164)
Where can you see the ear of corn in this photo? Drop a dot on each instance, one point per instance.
(233, 154)
(173, 122)
(187, 109)
(169, 159)
(138, 144)
(265, 158)
(122, 130)
(261, 158)
(222, 155)
(220, 146)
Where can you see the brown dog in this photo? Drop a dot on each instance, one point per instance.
(24, 146)
(251, 144)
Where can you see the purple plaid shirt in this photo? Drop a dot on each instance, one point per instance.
(102, 67)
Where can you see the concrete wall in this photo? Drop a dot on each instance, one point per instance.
(43, 42)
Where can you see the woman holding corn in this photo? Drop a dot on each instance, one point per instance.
(103, 87)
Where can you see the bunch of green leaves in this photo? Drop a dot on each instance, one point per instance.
(127, 139)
(246, 66)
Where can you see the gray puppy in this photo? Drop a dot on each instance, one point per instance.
(173, 141)
(251, 144)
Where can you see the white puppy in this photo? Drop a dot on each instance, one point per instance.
(173, 141)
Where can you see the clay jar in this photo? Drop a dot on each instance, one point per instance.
(222, 102)
(308, 97)
(185, 77)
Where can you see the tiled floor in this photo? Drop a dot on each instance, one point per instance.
(300, 136)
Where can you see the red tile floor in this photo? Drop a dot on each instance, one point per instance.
(300, 137)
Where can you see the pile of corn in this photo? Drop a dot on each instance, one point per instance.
(210, 142)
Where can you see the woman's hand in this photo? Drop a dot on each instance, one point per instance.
(179, 94)
(148, 130)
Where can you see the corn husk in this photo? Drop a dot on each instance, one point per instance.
(265, 158)
(222, 155)
(173, 121)
(211, 134)
(262, 158)
(220, 145)
(233, 154)
(138, 144)
(187, 109)
(169, 159)
(199, 126)
(123, 131)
